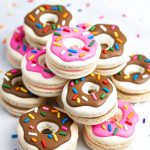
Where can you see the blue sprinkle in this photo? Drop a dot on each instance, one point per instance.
(147, 60)
(66, 119)
(74, 90)
(50, 136)
(72, 50)
(14, 136)
(116, 46)
(82, 79)
(24, 48)
(91, 37)
(33, 51)
(39, 25)
(58, 29)
(54, 8)
(109, 127)
(135, 76)
(26, 120)
(143, 120)
(106, 89)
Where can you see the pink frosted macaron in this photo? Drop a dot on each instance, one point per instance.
(72, 52)
(38, 78)
(115, 133)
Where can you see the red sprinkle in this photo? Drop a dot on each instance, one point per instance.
(85, 49)
(46, 29)
(46, 7)
(128, 122)
(75, 97)
(104, 51)
(66, 30)
(105, 82)
(44, 144)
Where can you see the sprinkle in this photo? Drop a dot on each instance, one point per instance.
(66, 30)
(103, 96)
(53, 26)
(62, 133)
(85, 33)
(47, 70)
(104, 126)
(37, 11)
(65, 15)
(125, 107)
(31, 17)
(36, 109)
(34, 51)
(82, 54)
(92, 74)
(13, 71)
(57, 44)
(54, 110)
(78, 100)
(115, 131)
(116, 46)
(135, 76)
(103, 28)
(113, 27)
(31, 127)
(58, 115)
(105, 82)
(75, 30)
(17, 88)
(86, 49)
(143, 120)
(58, 38)
(6, 78)
(74, 90)
(116, 34)
(92, 28)
(38, 25)
(128, 122)
(109, 127)
(71, 83)
(126, 77)
(145, 76)
(111, 49)
(130, 115)
(31, 116)
(42, 8)
(92, 43)
(54, 8)
(120, 73)
(94, 96)
(31, 57)
(82, 79)
(26, 120)
(14, 136)
(72, 50)
(64, 128)
(9, 74)
(119, 40)
(106, 89)
(148, 66)
(24, 48)
(57, 33)
(46, 29)
(6, 86)
(60, 8)
(91, 36)
(119, 125)
(45, 108)
(34, 140)
(147, 60)
(32, 134)
(76, 81)
(75, 96)
(134, 57)
(148, 70)
(126, 127)
(140, 57)
(65, 120)
(43, 114)
(84, 98)
(23, 90)
(98, 77)
(63, 52)
(44, 144)
(50, 136)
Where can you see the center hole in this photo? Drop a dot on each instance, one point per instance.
(17, 81)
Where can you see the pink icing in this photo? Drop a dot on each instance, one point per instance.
(74, 33)
(17, 41)
(32, 58)
(101, 132)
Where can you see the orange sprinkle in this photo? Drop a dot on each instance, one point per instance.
(98, 76)
(31, 17)
(58, 38)
(125, 106)
(17, 88)
(119, 40)
(95, 32)
(130, 115)
(34, 140)
(82, 54)
(54, 110)
(119, 125)
(58, 26)
(9, 74)
(104, 126)
(148, 70)
(65, 15)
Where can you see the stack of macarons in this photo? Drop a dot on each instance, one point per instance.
(86, 69)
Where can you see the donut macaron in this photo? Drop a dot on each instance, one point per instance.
(113, 56)
(90, 100)
(72, 52)
(15, 98)
(43, 20)
(38, 78)
(133, 81)
(47, 128)
(116, 133)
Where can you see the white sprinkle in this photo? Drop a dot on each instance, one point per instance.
(63, 22)
(17, 31)
(36, 109)
(103, 28)
(84, 98)
(85, 33)
(37, 11)
(31, 133)
(44, 47)
(63, 52)
(126, 127)
(6, 78)
(145, 76)
(33, 65)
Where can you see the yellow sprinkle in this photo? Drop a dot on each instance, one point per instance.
(34, 140)
(31, 57)
(116, 34)
(31, 116)
(57, 44)
(104, 126)
(78, 100)
(58, 115)
(31, 17)
(82, 54)
(58, 26)
(98, 76)
(130, 115)
(44, 25)
(95, 33)
(126, 77)
(8, 74)
(75, 30)
(23, 90)
(54, 110)
(92, 74)
(125, 106)
(58, 38)
(119, 40)
(148, 70)
(55, 137)
(42, 8)
(65, 15)
(119, 125)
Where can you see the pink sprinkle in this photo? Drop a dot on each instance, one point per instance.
(113, 27)
(45, 108)
(138, 35)
(64, 128)
(87, 4)
(135, 57)
(124, 15)
(148, 66)
(94, 96)
(31, 127)
(71, 83)
(101, 17)
(14, 71)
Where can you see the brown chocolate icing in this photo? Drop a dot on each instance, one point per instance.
(119, 40)
(78, 84)
(18, 89)
(135, 77)
(49, 117)
(32, 19)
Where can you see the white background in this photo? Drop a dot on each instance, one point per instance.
(131, 15)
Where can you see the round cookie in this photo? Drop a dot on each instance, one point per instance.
(43, 20)
(116, 133)
(113, 56)
(15, 98)
(90, 100)
(133, 81)
(38, 78)
(72, 53)
(47, 128)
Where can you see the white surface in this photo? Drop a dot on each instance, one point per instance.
(131, 15)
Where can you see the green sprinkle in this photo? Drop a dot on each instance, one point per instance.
(102, 96)
(6, 86)
(76, 81)
(120, 73)
(111, 49)
(140, 57)
(92, 43)
(53, 26)
(60, 8)
(43, 113)
(57, 34)
(62, 133)
(18, 47)
(115, 131)
(92, 28)
(70, 54)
